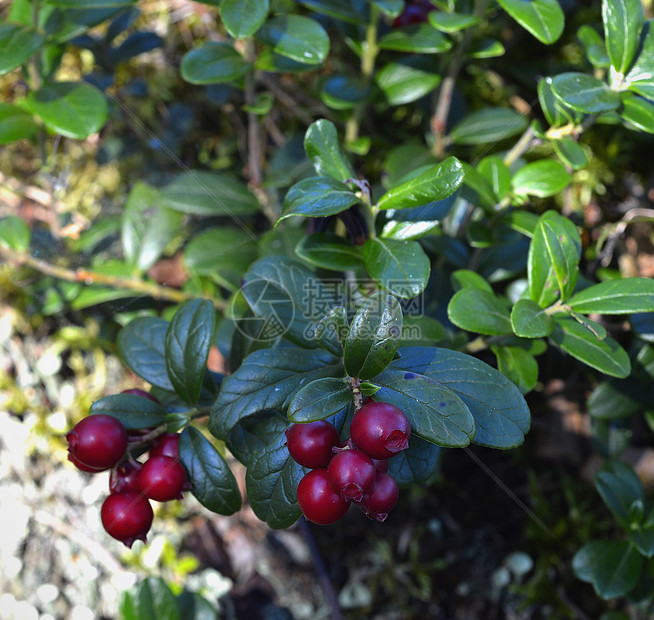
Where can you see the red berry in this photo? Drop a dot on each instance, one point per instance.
(123, 478)
(127, 516)
(380, 430)
(412, 14)
(161, 478)
(166, 445)
(381, 497)
(380, 464)
(98, 441)
(317, 500)
(311, 444)
(142, 393)
(82, 467)
(351, 473)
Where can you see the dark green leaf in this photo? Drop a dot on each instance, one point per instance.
(571, 152)
(329, 251)
(400, 267)
(332, 330)
(452, 22)
(435, 183)
(549, 103)
(619, 486)
(500, 412)
(320, 399)
(213, 63)
(643, 540)
(134, 412)
(480, 311)
(423, 330)
(250, 435)
(342, 92)
(322, 148)
(585, 93)
(15, 124)
(622, 296)
(522, 221)
(541, 178)
(518, 365)
(417, 38)
(638, 112)
(212, 481)
(407, 79)
(529, 320)
(595, 328)
(640, 78)
(14, 233)
(296, 37)
(374, 336)
(193, 606)
(317, 197)
(267, 60)
(73, 109)
(498, 175)
(543, 19)
(267, 379)
(594, 45)
(613, 567)
(606, 355)
(488, 125)
(464, 278)
(390, 8)
(416, 464)
(346, 10)
(623, 20)
(487, 48)
(17, 44)
(188, 340)
(151, 599)
(242, 18)
(614, 399)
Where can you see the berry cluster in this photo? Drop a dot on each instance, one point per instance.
(99, 443)
(354, 473)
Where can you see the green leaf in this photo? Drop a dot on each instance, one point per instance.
(17, 44)
(317, 197)
(267, 379)
(141, 347)
(296, 37)
(342, 92)
(340, 9)
(243, 18)
(404, 231)
(606, 355)
(640, 78)
(322, 148)
(14, 233)
(213, 483)
(213, 63)
(543, 19)
(518, 365)
(500, 412)
(15, 124)
(134, 412)
(332, 330)
(595, 328)
(188, 340)
(541, 178)
(90, 4)
(374, 336)
(619, 486)
(416, 38)
(329, 251)
(486, 48)
(319, 399)
(193, 606)
(612, 567)
(416, 464)
(250, 435)
(551, 106)
(594, 46)
(498, 174)
(637, 112)
(464, 278)
(643, 540)
(151, 599)
(584, 93)
(614, 399)
(488, 125)
(623, 20)
(72, 109)
(400, 267)
(529, 320)
(146, 228)
(622, 296)
(571, 152)
(452, 22)
(390, 8)
(479, 311)
(407, 79)
(200, 192)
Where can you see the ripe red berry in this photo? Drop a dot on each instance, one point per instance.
(166, 445)
(380, 430)
(161, 478)
(123, 478)
(98, 441)
(311, 444)
(351, 473)
(142, 393)
(127, 516)
(412, 14)
(317, 500)
(381, 497)
(82, 467)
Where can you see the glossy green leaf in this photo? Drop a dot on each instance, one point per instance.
(606, 355)
(452, 22)
(319, 399)
(375, 333)
(200, 192)
(416, 464)
(623, 20)
(529, 320)
(391, 8)
(212, 482)
(317, 197)
(329, 251)
(72, 109)
(243, 18)
(638, 112)
(151, 599)
(498, 175)
(521, 221)
(486, 48)
(584, 93)
(543, 19)
(435, 183)
(488, 125)
(14, 233)
(250, 435)
(423, 330)
(612, 567)
(15, 124)
(621, 296)
(213, 63)
(134, 412)
(322, 148)
(268, 60)
(550, 105)
(345, 10)
(594, 46)
(400, 267)
(342, 92)
(188, 340)
(595, 328)
(407, 79)
(640, 78)
(500, 412)
(619, 486)
(296, 37)
(541, 178)
(17, 44)
(518, 365)
(267, 379)
(571, 152)
(464, 278)
(141, 347)
(479, 311)
(404, 231)
(415, 38)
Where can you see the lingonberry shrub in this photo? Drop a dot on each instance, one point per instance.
(311, 445)
(317, 500)
(380, 430)
(161, 478)
(97, 442)
(127, 516)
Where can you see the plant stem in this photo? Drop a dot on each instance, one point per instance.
(527, 140)
(152, 289)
